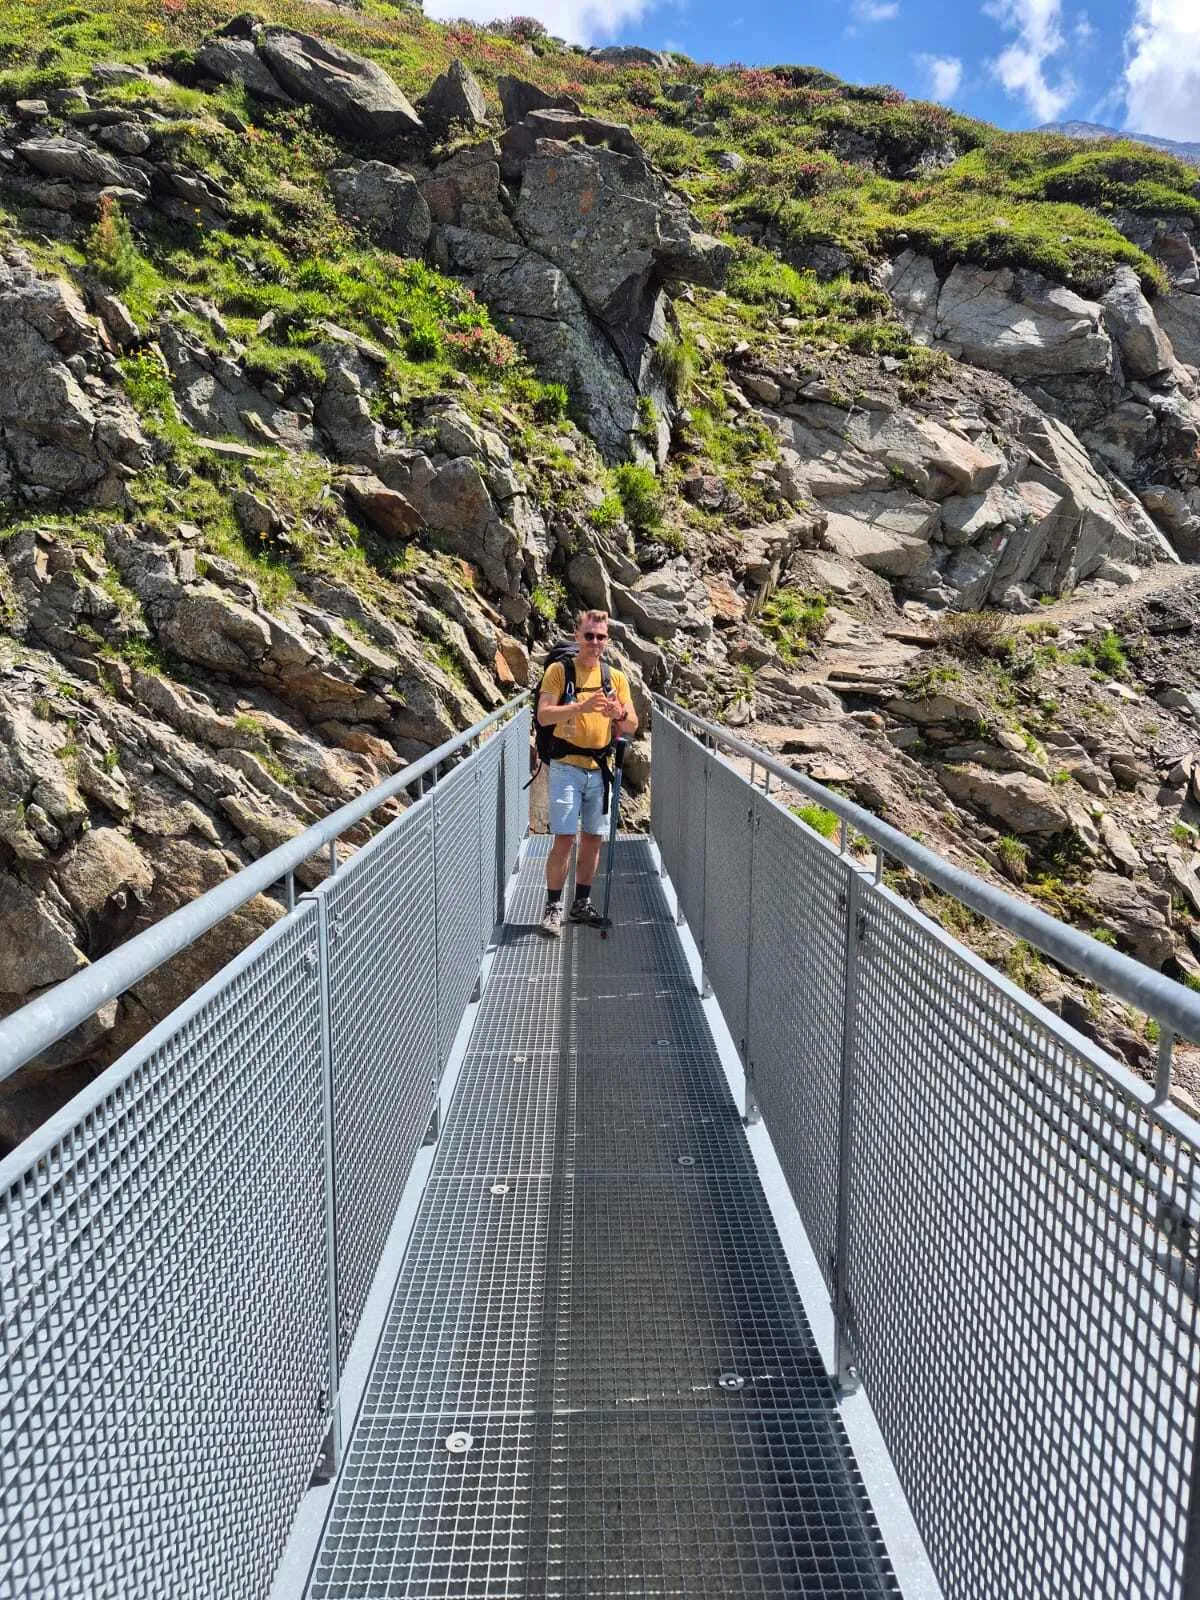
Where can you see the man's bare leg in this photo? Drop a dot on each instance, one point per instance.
(589, 858)
(558, 863)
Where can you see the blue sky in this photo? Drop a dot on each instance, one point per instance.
(1129, 63)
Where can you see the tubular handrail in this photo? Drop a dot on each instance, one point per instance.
(46, 1019)
(1174, 1007)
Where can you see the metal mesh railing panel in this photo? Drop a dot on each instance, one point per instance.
(797, 1001)
(664, 793)
(691, 834)
(383, 1011)
(460, 933)
(490, 762)
(727, 886)
(516, 795)
(1027, 1336)
(164, 1337)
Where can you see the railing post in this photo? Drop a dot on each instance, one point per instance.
(1190, 1587)
(751, 1113)
(332, 1453)
(846, 1356)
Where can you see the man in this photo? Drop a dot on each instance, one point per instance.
(591, 721)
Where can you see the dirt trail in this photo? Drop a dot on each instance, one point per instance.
(1159, 580)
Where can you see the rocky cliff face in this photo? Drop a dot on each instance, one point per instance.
(333, 388)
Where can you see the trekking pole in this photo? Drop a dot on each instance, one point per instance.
(614, 803)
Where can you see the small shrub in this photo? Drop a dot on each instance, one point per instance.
(975, 633)
(1183, 833)
(1110, 656)
(1014, 857)
(553, 403)
(111, 252)
(608, 513)
(819, 818)
(548, 599)
(676, 361)
(1192, 981)
(647, 420)
(640, 494)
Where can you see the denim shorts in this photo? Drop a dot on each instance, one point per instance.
(576, 794)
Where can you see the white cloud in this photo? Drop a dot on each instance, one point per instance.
(1162, 69)
(875, 10)
(1026, 66)
(1082, 29)
(943, 75)
(581, 21)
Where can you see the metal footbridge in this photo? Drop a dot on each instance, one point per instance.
(419, 1254)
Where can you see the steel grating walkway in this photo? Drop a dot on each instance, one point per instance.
(595, 1296)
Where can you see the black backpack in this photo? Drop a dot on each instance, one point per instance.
(549, 746)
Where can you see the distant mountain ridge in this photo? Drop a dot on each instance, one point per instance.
(1097, 130)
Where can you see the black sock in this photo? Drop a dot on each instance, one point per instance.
(583, 891)
(553, 896)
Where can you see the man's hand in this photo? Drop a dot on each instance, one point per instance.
(597, 701)
(612, 707)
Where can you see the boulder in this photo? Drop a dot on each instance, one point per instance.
(230, 59)
(354, 93)
(518, 98)
(1139, 916)
(104, 875)
(1179, 317)
(1145, 348)
(633, 55)
(1091, 527)
(455, 97)
(876, 547)
(968, 518)
(385, 509)
(37, 945)
(1014, 322)
(73, 158)
(1027, 806)
(386, 202)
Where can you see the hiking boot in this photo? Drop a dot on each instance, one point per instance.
(552, 919)
(584, 911)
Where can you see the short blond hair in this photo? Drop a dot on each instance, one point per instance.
(591, 616)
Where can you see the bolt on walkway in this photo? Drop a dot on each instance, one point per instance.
(596, 1377)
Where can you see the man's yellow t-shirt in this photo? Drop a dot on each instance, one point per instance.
(592, 731)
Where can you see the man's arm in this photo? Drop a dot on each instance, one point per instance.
(625, 726)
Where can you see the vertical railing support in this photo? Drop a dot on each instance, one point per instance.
(1189, 1589)
(332, 1453)
(846, 1356)
(751, 1112)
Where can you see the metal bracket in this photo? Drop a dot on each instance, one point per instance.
(433, 1129)
(324, 1468)
(752, 1115)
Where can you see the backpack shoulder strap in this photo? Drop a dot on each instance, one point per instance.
(568, 666)
(606, 681)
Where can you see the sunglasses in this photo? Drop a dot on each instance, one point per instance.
(595, 638)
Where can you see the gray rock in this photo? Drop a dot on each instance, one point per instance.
(79, 162)
(968, 518)
(895, 555)
(1017, 323)
(518, 98)
(969, 574)
(236, 60)
(386, 202)
(729, 161)
(37, 945)
(385, 509)
(633, 55)
(1179, 318)
(129, 138)
(1028, 806)
(104, 875)
(356, 93)
(653, 618)
(455, 97)
(1119, 846)
(1145, 348)
(1139, 916)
